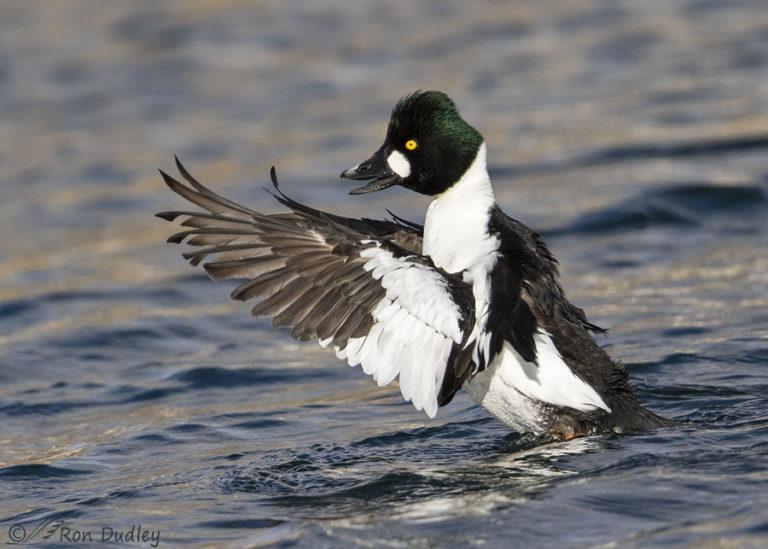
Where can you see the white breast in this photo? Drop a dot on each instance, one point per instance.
(456, 226)
(456, 237)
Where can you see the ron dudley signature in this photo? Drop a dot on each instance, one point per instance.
(56, 529)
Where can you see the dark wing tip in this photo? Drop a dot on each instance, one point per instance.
(174, 184)
(194, 258)
(183, 171)
(168, 179)
(276, 184)
(168, 216)
(188, 176)
(405, 223)
(280, 196)
(177, 238)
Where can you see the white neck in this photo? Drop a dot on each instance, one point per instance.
(456, 227)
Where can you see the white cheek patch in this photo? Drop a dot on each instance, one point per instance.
(399, 164)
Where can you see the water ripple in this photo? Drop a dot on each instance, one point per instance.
(32, 471)
(681, 205)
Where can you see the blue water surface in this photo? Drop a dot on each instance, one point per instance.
(139, 406)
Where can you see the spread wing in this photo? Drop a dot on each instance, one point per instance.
(359, 286)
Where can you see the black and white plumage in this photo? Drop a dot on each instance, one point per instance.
(471, 299)
(358, 286)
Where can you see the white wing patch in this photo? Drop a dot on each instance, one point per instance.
(296, 271)
(478, 275)
(511, 388)
(414, 328)
(550, 381)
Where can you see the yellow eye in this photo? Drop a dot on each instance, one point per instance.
(411, 144)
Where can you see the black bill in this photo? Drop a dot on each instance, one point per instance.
(377, 170)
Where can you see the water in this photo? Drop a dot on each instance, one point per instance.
(134, 394)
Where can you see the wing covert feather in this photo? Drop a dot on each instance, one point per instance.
(358, 285)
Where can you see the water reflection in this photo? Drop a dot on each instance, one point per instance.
(633, 135)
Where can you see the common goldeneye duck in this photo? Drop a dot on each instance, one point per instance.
(470, 299)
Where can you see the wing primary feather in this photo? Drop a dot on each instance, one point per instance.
(172, 215)
(277, 302)
(340, 271)
(204, 197)
(191, 195)
(335, 313)
(244, 268)
(266, 284)
(409, 224)
(358, 320)
(341, 320)
(295, 313)
(313, 318)
(306, 267)
(186, 175)
(349, 226)
(180, 236)
(202, 189)
(223, 248)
